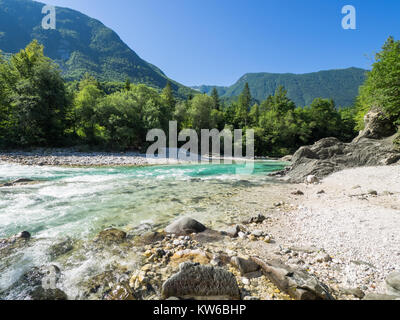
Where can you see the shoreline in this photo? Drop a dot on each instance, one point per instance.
(71, 158)
(342, 231)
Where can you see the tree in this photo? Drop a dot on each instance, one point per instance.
(323, 119)
(243, 107)
(200, 113)
(216, 100)
(382, 87)
(168, 97)
(128, 84)
(36, 98)
(85, 102)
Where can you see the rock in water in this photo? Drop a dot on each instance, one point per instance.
(185, 226)
(48, 294)
(110, 236)
(298, 284)
(196, 281)
(393, 283)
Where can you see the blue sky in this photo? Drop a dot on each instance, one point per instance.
(217, 41)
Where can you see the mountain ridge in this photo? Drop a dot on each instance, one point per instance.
(79, 44)
(339, 84)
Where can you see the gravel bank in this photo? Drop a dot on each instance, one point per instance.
(344, 230)
(66, 157)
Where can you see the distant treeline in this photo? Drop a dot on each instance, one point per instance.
(39, 109)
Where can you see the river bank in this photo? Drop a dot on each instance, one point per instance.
(73, 158)
(342, 232)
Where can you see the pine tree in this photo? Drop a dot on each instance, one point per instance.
(128, 84)
(243, 107)
(215, 97)
(168, 96)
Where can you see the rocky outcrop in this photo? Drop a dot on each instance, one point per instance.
(201, 282)
(297, 283)
(373, 147)
(377, 126)
(185, 226)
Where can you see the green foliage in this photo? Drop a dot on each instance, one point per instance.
(339, 85)
(33, 100)
(38, 109)
(382, 87)
(85, 103)
(79, 45)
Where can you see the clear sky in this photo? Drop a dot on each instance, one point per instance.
(217, 41)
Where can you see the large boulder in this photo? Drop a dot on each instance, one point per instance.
(377, 125)
(185, 226)
(334, 156)
(375, 145)
(297, 283)
(195, 281)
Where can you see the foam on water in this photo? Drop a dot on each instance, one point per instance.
(80, 202)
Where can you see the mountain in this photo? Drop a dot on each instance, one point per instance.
(341, 85)
(79, 44)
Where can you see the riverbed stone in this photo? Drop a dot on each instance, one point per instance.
(185, 226)
(197, 281)
(299, 284)
(196, 256)
(41, 294)
(381, 297)
(393, 283)
(111, 236)
(245, 265)
(256, 219)
(233, 231)
(121, 292)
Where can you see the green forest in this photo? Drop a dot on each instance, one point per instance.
(38, 108)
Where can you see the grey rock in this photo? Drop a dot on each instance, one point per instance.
(297, 283)
(194, 280)
(377, 296)
(245, 266)
(24, 235)
(185, 226)
(258, 233)
(393, 283)
(356, 292)
(377, 125)
(256, 219)
(233, 231)
(373, 147)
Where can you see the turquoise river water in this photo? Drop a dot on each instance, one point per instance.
(80, 202)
